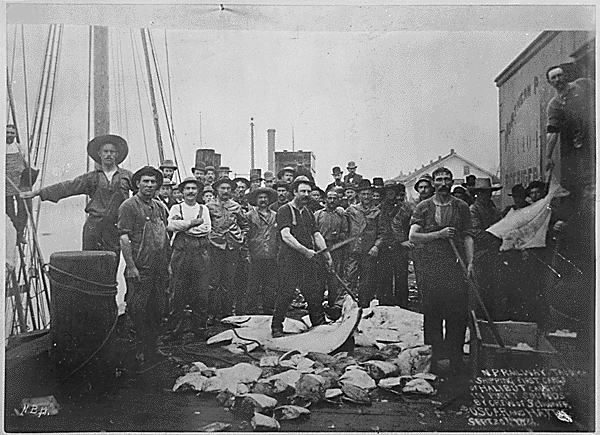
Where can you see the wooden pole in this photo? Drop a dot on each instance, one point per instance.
(161, 152)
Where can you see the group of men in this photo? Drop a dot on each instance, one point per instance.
(215, 246)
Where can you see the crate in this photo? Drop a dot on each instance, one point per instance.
(485, 352)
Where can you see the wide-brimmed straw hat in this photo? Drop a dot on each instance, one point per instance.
(484, 184)
(147, 170)
(95, 144)
(252, 196)
(188, 180)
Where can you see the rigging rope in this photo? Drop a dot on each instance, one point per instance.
(26, 97)
(123, 87)
(137, 84)
(89, 102)
(169, 78)
(12, 71)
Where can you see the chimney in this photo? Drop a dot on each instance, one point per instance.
(451, 150)
(440, 158)
(271, 149)
(430, 161)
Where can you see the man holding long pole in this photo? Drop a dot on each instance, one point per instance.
(436, 222)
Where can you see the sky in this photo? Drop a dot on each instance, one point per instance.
(389, 88)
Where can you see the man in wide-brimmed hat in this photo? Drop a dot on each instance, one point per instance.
(142, 226)
(297, 268)
(364, 222)
(191, 224)
(107, 187)
(263, 246)
(287, 174)
(519, 196)
(337, 174)
(168, 168)
(227, 244)
(352, 177)
(283, 189)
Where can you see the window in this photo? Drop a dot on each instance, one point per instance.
(466, 170)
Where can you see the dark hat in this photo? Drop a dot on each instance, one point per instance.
(301, 179)
(536, 184)
(484, 184)
(200, 167)
(424, 177)
(336, 170)
(95, 144)
(401, 187)
(321, 191)
(209, 168)
(364, 184)
(518, 190)
(243, 180)
(254, 194)
(458, 187)
(224, 180)
(224, 169)
(351, 164)
(281, 183)
(207, 188)
(338, 189)
(188, 180)
(391, 184)
(350, 186)
(147, 170)
(286, 169)
(378, 183)
(269, 176)
(255, 177)
(469, 181)
(168, 163)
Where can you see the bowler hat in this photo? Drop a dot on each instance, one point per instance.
(188, 180)
(378, 183)
(286, 169)
(424, 177)
(302, 179)
(224, 180)
(207, 188)
(252, 196)
(364, 184)
(518, 190)
(351, 165)
(95, 144)
(243, 180)
(209, 168)
(484, 184)
(350, 186)
(168, 163)
(392, 184)
(281, 183)
(147, 170)
(336, 170)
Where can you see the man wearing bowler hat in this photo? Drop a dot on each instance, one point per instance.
(106, 187)
(142, 226)
(263, 246)
(191, 225)
(227, 240)
(168, 169)
(337, 174)
(364, 223)
(352, 177)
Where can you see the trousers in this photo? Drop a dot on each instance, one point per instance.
(223, 266)
(263, 286)
(358, 273)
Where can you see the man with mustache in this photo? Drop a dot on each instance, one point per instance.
(142, 226)
(107, 187)
(190, 222)
(297, 267)
(263, 246)
(282, 188)
(227, 240)
(435, 222)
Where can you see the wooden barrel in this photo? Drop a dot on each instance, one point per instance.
(83, 307)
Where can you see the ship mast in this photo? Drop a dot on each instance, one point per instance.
(251, 145)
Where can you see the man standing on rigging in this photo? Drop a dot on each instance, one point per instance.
(107, 188)
(15, 165)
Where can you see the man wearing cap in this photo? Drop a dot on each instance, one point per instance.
(364, 223)
(424, 187)
(165, 193)
(400, 230)
(378, 192)
(142, 226)
(287, 174)
(434, 223)
(227, 238)
(283, 190)
(352, 177)
(263, 246)
(316, 199)
(168, 169)
(210, 175)
(486, 256)
(208, 194)
(296, 263)
(461, 193)
(269, 179)
(107, 187)
(199, 172)
(333, 225)
(519, 196)
(337, 173)
(536, 190)
(191, 225)
(16, 165)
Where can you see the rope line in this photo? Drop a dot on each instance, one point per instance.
(137, 84)
(87, 292)
(87, 281)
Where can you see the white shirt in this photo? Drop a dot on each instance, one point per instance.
(181, 215)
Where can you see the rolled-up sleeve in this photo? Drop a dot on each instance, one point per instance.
(126, 220)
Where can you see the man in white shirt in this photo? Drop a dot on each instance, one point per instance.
(190, 222)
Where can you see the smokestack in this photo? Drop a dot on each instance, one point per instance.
(271, 149)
